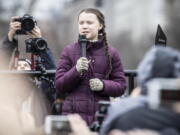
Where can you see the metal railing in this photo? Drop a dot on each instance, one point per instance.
(130, 74)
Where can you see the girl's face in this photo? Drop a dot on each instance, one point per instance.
(89, 25)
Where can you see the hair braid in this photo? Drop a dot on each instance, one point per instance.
(106, 48)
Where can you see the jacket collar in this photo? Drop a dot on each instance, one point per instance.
(94, 44)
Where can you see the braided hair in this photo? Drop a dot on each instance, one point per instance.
(102, 35)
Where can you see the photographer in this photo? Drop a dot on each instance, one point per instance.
(19, 26)
(10, 43)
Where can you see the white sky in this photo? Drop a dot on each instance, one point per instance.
(42, 10)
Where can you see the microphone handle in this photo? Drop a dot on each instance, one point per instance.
(83, 49)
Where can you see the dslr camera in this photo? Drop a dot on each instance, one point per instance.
(35, 45)
(27, 24)
(57, 125)
(163, 93)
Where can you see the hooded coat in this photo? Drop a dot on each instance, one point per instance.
(159, 62)
(79, 97)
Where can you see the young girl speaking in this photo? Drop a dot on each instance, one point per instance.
(98, 76)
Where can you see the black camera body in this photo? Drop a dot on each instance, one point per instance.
(35, 45)
(27, 24)
(100, 115)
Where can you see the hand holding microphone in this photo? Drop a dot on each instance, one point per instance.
(82, 64)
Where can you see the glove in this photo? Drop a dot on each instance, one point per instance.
(96, 84)
(82, 64)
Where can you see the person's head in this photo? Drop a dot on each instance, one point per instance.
(159, 62)
(91, 23)
(24, 64)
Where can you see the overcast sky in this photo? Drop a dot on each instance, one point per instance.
(42, 10)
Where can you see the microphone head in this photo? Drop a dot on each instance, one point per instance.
(82, 38)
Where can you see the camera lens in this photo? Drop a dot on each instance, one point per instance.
(35, 45)
(27, 24)
(41, 44)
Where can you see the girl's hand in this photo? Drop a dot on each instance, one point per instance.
(96, 84)
(82, 64)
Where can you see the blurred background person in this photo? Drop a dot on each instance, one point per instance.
(159, 62)
(23, 107)
(24, 64)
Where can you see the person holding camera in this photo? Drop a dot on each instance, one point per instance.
(26, 25)
(88, 79)
(10, 43)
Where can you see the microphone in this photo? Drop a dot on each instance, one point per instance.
(83, 42)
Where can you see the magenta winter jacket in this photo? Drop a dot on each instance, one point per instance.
(80, 99)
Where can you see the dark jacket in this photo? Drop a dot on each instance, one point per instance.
(80, 99)
(126, 105)
(136, 114)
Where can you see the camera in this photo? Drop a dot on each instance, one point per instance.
(103, 106)
(163, 93)
(100, 115)
(57, 124)
(35, 45)
(27, 24)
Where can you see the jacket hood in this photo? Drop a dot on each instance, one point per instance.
(159, 62)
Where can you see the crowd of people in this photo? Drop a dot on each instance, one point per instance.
(83, 81)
